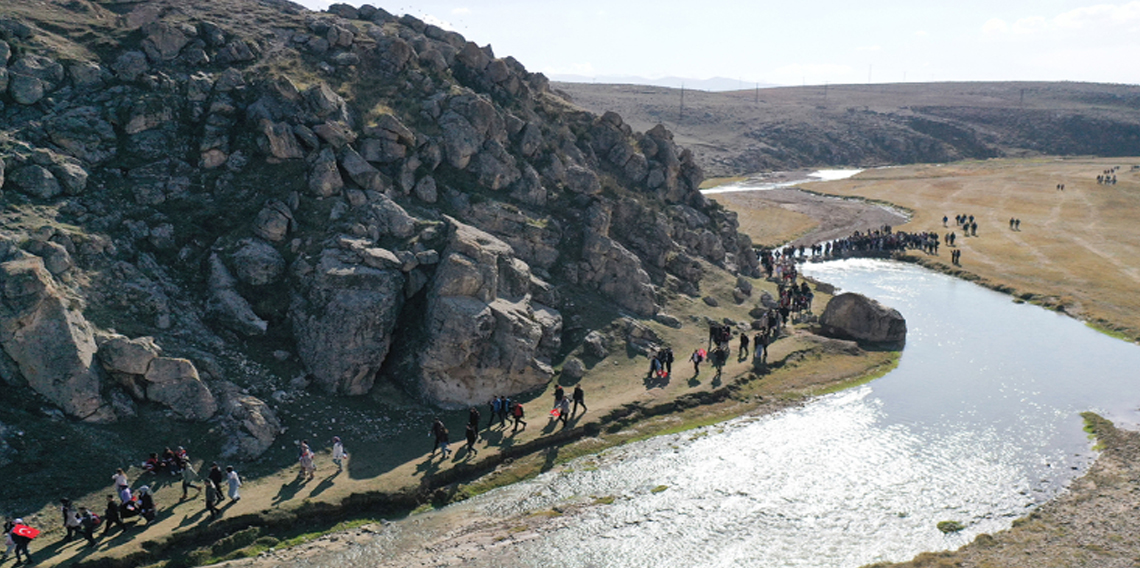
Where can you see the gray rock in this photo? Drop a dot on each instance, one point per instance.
(175, 383)
(130, 65)
(36, 181)
(257, 263)
(281, 142)
(86, 74)
(3, 79)
(710, 301)
(226, 306)
(389, 218)
(236, 51)
(324, 177)
(739, 295)
(272, 222)
(249, 424)
(164, 41)
(360, 171)
(344, 322)
(425, 190)
(55, 256)
(52, 345)
(667, 320)
(25, 89)
(460, 139)
(43, 68)
(338, 134)
(382, 150)
(70, 175)
(596, 345)
(573, 368)
(130, 356)
(744, 285)
(582, 180)
(854, 316)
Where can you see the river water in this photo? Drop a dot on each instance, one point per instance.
(978, 424)
(754, 185)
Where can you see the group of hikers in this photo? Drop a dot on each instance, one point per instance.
(127, 503)
(502, 409)
(1106, 177)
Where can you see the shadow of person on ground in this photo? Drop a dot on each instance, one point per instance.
(324, 484)
(653, 381)
(288, 491)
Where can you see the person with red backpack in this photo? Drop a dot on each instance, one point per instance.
(518, 413)
(88, 522)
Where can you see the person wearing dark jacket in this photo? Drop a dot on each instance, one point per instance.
(111, 516)
(217, 477)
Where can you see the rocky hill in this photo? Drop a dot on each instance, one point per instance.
(212, 208)
(787, 128)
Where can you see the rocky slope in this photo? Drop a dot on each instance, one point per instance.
(786, 128)
(209, 203)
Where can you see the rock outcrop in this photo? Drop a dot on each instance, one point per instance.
(418, 185)
(51, 343)
(854, 316)
(485, 335)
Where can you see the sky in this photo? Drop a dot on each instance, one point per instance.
(808, 42)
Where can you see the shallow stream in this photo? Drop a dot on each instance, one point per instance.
(978, 424)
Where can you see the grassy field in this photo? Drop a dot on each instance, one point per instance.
(1077, 251)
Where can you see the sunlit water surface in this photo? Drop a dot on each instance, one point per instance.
(978, 424)
(750, 185)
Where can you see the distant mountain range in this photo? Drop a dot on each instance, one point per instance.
(713, 84)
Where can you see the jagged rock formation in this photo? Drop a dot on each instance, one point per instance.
(417, 186)
(855, 316)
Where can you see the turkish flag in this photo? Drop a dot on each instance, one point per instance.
(25, 531)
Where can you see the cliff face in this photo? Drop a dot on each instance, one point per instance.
(363, 195)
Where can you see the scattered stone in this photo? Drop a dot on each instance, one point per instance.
(710, 301)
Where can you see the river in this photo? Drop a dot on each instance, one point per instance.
(978, 424)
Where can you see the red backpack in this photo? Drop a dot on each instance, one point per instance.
(518, 412)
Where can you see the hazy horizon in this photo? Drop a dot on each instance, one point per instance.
(793, 44)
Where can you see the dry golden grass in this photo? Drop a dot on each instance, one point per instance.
(769, 225)
(1078, 249)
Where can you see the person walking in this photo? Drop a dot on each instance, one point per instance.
(696, 359)
(112, 516)
(440, 433)
(564, 411)
(234, 481)
(147, 508)
(495, 403)
(518, 413)
(579, 397)
(213, 496)
(472, 436)
(189, 476)
(338, 453)
(70, 519)
(9, 544)
(559, 394)
(87, 525)
(308, 469)
(504, 409)
(473, 417)
(217, 477)
(122, 485)
(742, 354)
(22, 536)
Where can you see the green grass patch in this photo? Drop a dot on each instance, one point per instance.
(948, 527)
(1115, 334)
(659, 489)
(607, 500)
(877, 372)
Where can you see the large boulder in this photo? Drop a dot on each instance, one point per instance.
(36, 181)
(175, 383)
(256, 262)
(484, 334)
(344, 321)
(52, 345)
(130, 356)
(854, 316)
(226, 306)
(250, 425)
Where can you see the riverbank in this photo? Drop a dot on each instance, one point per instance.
(1094, 523)
(392, 480)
